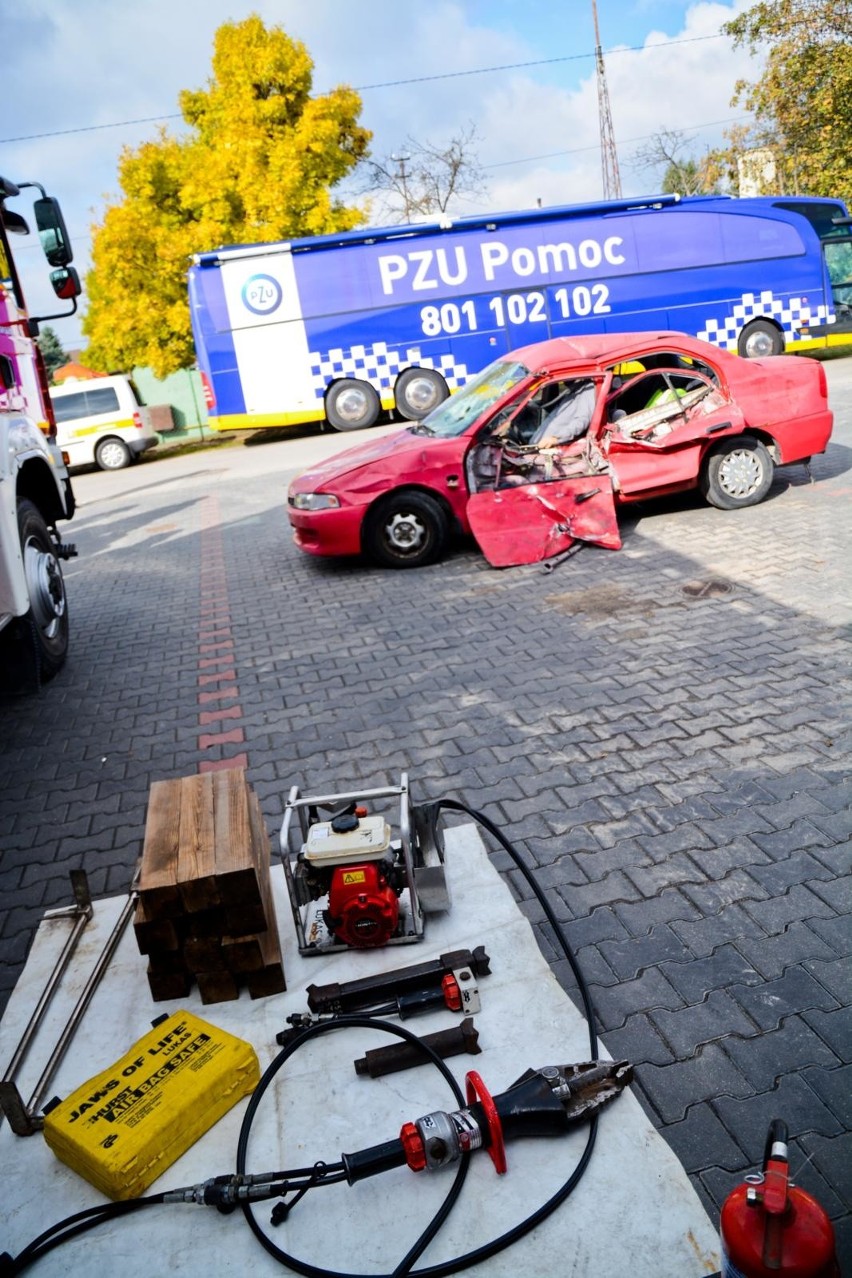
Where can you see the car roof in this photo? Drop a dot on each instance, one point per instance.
(606, 348)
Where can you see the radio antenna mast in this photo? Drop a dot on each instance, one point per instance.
(609, 155)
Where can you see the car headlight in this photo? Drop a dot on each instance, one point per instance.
(314, 501)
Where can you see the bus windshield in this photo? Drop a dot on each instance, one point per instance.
(453, 417)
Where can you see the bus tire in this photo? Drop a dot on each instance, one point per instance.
(34, 647)
(112, 454)
(351, 405)
(737, 473)
(406, 530)
(418, 391)
(759, 340)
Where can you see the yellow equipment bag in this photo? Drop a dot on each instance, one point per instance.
(128, 1124)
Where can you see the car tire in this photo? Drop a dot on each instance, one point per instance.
(737, 473)
(112, 454)
(406, 530)
(34, 646)
(351, 405)
(418, 391)
(759, 340)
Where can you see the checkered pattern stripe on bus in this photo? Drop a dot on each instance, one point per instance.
(379, 366)
(790, 314)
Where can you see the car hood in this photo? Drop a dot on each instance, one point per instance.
(398, 445)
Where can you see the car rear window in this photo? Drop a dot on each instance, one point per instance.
(85, 403)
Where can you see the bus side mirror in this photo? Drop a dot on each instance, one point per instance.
(66, 283)
(53, 235)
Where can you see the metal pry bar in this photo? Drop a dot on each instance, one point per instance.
(24, 1119)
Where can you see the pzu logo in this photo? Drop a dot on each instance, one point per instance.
(261, 294)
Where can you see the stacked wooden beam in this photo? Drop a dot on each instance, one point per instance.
(205, 912)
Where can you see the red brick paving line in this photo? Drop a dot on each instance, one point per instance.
(215, 637)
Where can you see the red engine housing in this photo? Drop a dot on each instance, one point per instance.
(363, 910)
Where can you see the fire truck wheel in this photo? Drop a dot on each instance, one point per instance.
(406, 530)
(35, 645)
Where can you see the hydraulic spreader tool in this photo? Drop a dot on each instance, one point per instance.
(543, 1102)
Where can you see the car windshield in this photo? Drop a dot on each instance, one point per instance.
(458, 412)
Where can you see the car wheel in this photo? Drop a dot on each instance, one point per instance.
(418, 391)
(406, 530)
(737, 473)
(34, 646)
(351, 405)
(759, 340)
(112, 454)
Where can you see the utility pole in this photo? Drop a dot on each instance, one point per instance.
(403, 181)
(609, 155)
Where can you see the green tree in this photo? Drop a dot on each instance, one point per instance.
(259, 160)
(802, 103)
(52, 351)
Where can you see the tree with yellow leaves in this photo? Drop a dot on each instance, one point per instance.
(259, 161)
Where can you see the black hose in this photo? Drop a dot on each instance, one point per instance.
(313, 1031)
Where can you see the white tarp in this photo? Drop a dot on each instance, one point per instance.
(634, 1212)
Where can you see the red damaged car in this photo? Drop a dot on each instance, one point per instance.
(540, 448)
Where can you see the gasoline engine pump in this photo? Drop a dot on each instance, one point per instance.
(351, 883)
(771, 1228)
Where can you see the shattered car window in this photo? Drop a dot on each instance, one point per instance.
(649, 405)
(453, 417)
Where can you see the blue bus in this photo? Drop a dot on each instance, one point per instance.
(340, 327)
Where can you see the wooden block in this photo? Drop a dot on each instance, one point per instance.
(196, 863)
(204, 954)
(206, 923)
(169, 985)
(165, 962)
(242, 953)
(269, 980)
(154, 934)
(158, 873)
(217, 987)
(241, 920)
(236, 870)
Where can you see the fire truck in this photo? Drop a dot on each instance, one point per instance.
(35, 490)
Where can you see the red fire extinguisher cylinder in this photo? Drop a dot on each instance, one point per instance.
(772, 1229)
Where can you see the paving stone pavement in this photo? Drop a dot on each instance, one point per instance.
(664, 732)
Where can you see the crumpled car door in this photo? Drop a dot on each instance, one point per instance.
(532, 522)
(663, 446)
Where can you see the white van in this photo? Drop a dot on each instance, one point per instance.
(101, 421)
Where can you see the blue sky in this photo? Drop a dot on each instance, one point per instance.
(74, 66)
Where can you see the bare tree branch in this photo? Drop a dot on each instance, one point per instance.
(423, 178)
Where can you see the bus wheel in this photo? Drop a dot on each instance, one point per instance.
(351, 405)
(406, 530)
(418, 391)
(738, 473)
(112, 454)
(759, 339)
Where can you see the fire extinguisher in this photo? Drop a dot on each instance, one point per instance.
(770, 1227)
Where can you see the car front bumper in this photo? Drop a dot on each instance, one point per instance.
(327, 532)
